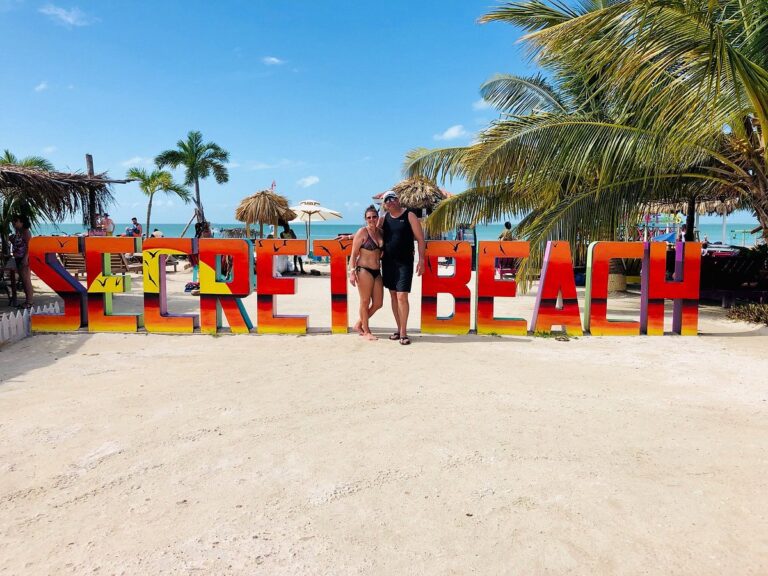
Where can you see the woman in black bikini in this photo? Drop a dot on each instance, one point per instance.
(365, 270)
(20, 244)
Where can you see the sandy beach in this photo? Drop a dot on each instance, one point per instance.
(320, 454)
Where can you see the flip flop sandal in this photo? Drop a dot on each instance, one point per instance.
(405, 341)
(395, 336)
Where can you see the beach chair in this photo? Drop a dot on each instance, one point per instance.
(120, 265)
(171, 261)
(75, 264)
(506, 267)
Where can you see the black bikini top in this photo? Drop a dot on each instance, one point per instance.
(370, 243)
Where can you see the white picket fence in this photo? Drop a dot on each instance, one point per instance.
(17, 325)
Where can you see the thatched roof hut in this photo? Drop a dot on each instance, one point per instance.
(263, 207)
(418, 193)
(55, 194)
(708, 206)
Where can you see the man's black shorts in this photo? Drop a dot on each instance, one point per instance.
(398, 275)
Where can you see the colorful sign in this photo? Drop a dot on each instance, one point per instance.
(230, 270)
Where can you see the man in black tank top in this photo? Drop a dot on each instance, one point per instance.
(400, 228)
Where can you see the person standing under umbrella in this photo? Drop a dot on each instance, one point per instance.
(400, 227)
(289, 234)
(20, 244)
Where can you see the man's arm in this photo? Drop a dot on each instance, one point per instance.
(418, 233)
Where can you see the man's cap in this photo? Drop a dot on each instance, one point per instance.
(389, 194)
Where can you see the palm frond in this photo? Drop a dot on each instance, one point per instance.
(518, 95)
(438, 164)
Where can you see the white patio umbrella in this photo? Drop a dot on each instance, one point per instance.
(309, 210)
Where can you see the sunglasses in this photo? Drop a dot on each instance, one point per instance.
(371, 217)
(388, 200)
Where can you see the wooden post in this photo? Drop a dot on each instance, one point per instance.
(91, 195)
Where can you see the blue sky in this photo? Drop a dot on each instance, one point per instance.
(323, 96)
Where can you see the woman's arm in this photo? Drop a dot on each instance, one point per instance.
(357, 241)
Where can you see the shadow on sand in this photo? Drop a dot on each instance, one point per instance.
(37, 351)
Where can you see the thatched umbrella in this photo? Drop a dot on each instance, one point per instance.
(693, 207)
(54, 194)
(418, 193)
(264, 206)
(51, 195)
(711, 206)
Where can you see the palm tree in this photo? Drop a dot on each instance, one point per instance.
(200, 160)
(9, 158)
(691, 74)
(626, 121)
(156, 181)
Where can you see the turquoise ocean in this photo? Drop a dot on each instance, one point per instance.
(737, 233)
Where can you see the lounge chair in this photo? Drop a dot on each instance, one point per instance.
(75, 264)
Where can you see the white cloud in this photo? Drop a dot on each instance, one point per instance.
(272, 61)
(49, 149)
(452, 133)
(308, 181)
(42, 86)
(233, 165)
(137, 161)
(480, 105)
(69, 18)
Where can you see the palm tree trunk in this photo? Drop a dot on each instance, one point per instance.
(200, 213)
(690, 219)
(759, 197)
(149, 213)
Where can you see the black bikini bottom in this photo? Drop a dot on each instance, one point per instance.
(375, 272)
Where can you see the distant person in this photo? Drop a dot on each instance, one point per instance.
(135, 228)
(289, 234)
(507, 234)
(202, 230)
(20, 246)
(365, 270)
(157, 233)
(107, 225)
(400, 228)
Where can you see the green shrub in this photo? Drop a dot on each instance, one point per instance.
(756, 313)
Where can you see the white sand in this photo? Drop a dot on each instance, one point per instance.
(146, 454)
